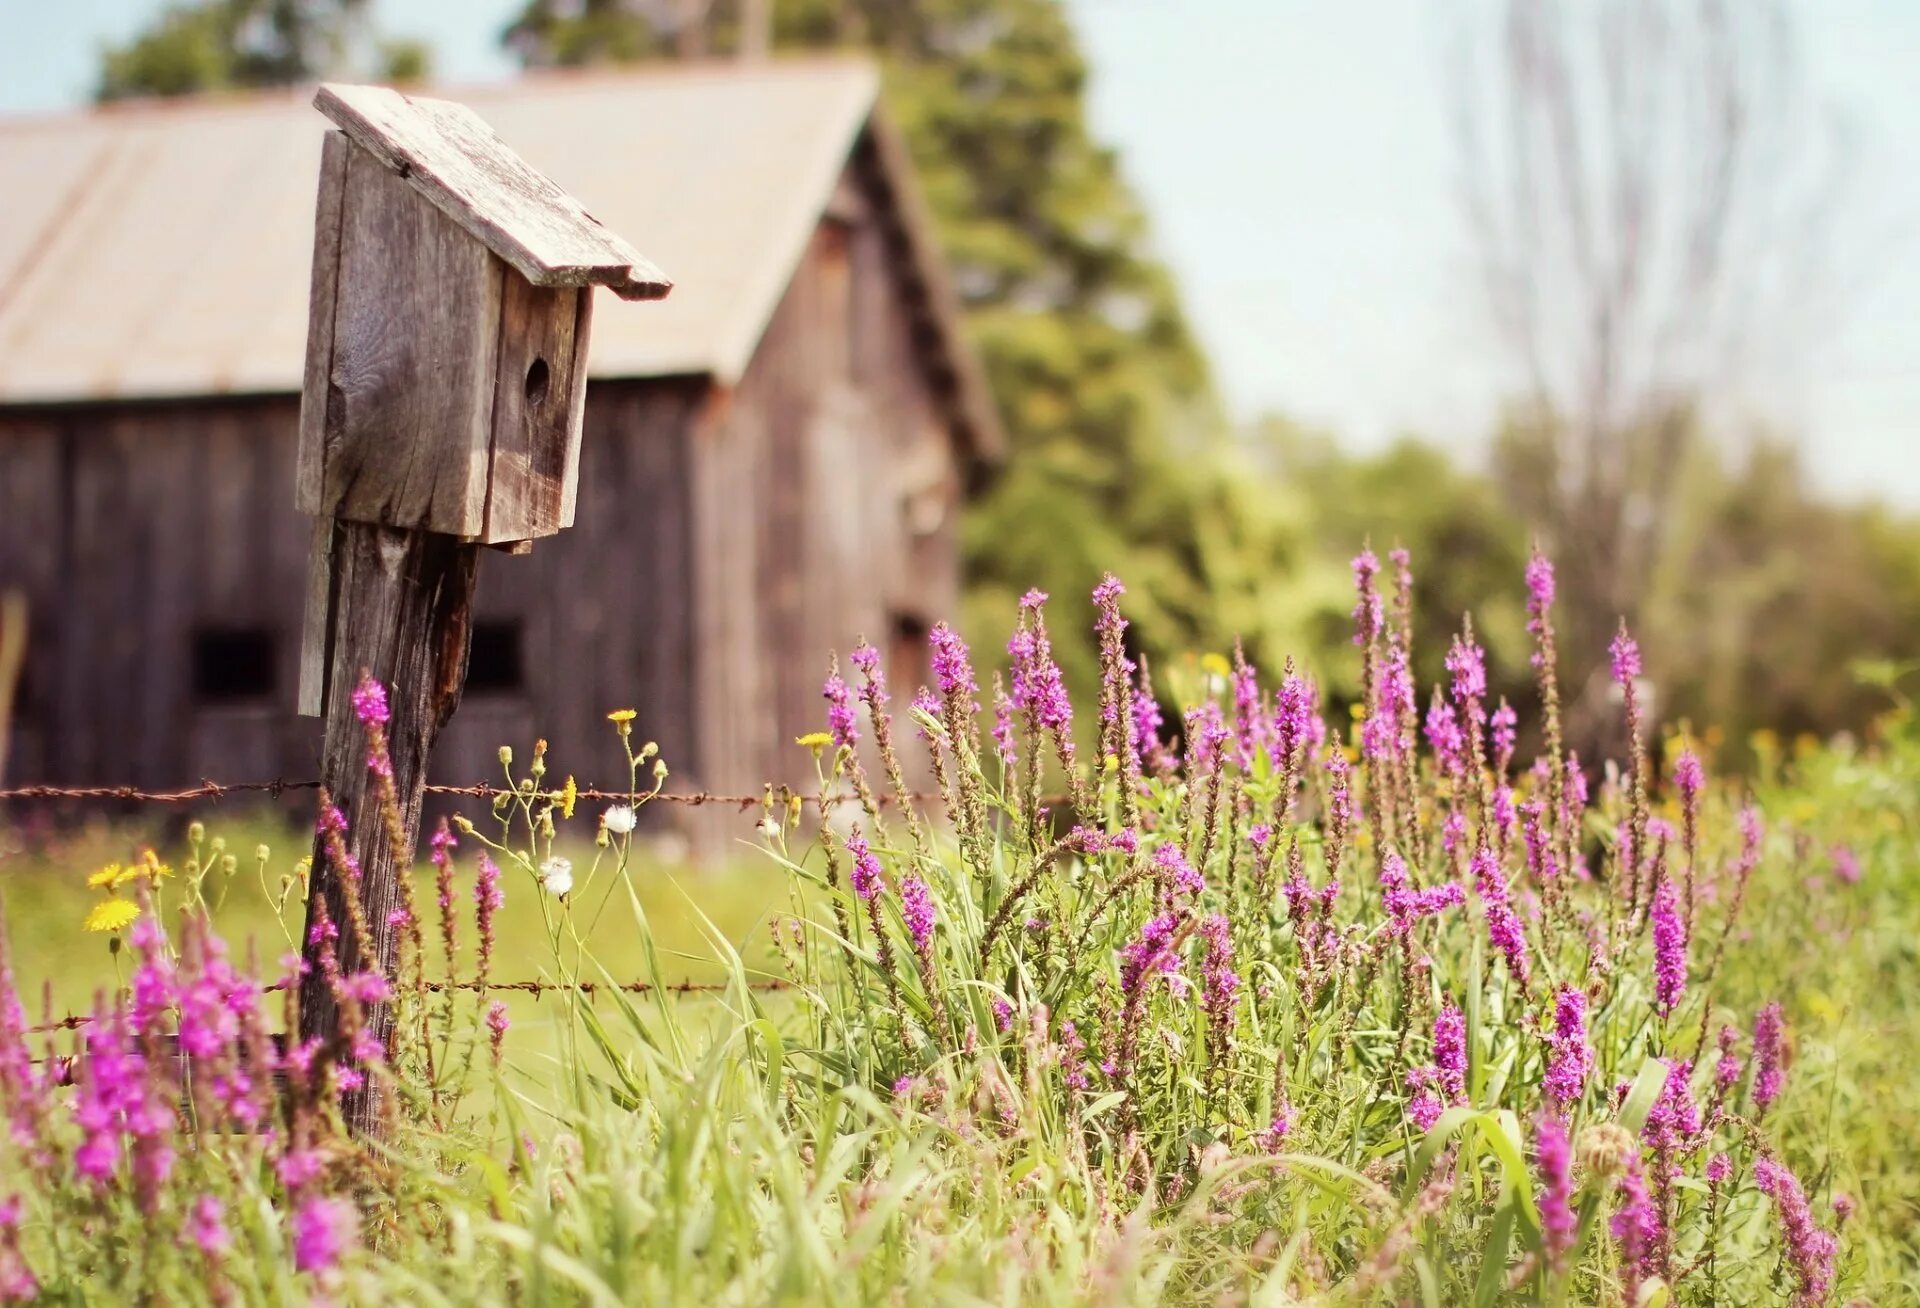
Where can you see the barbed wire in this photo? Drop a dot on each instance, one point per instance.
(74, 1021)
(274, 789)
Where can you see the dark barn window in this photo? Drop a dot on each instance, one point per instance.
(495, 665)
(233, 665)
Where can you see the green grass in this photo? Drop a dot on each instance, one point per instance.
(43, 880)
(739, 1147)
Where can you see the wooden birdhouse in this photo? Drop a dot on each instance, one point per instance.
(447, 343)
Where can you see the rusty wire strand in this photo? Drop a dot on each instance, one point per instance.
(217, 790)
(74, 1021)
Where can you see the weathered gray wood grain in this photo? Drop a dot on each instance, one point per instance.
(411, 387)
(536, 434)
(450, 154)
(328, 208)
(402, 603)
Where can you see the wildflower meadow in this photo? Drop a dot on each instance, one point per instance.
(1222, 992)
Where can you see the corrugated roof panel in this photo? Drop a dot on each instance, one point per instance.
(165, 250)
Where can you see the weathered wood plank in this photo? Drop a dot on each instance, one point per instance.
(536, 437)
(577, 412)
(316, 628)
(410, 407)
(328, 209)
(451, 156)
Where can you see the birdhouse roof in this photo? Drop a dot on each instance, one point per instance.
(447, 152)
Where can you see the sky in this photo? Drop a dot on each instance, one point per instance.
(1296, 162)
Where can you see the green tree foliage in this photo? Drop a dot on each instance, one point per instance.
(220, 45)
(1118, 448)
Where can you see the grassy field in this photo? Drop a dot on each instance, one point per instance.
(1210, 1090)
(62, 967)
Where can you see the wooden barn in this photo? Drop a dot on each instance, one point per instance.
(774, 459)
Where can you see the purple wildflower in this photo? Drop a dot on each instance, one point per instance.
(1688, 775)
(1542, 866)
(1572, 1061)
(1147, 722)
(925, 703)
(1003, 744)
(1404, 904)
(1444, 736)
(1424, 1109)
(1719, 1168)
(1468, 664)
(1669, 949)
(1038, 687)
(1769, 1056)
(1450, 1052)
(323, 1229)
(1727, 1069)
(1002, 1014)
(1368, 614)
(1276, 1132)
(497, 1024)
(1625, 653)
(1180, 875)
(1395, 697)
(1505, 724)
(1220, 983)
(1540, 590)
(1150, 954)
(207, 1226)
(916, 909)
(1636, 1226)
(1293, 711)
(1503, 924)
(1206, 733)
(865, 875)
(952, 666)
(1073, 1060)
(1674, 1120)
(1809, 1248)
(370, 703)
(1554, 1154)
(1846, 865)
(841, 719)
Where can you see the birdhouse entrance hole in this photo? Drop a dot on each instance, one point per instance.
(538, 376)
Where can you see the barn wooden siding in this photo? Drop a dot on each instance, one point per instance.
(725, 541)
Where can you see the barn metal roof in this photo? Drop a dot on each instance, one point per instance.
(162, 249)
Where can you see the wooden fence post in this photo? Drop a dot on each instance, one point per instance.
(441, 410)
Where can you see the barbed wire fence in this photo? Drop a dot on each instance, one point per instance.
(209, 790)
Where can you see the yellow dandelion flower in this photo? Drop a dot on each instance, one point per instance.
(814, 740)
(1216, 664)
(569, 796)
(115, 915)
(622, 715)
(106, 877)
